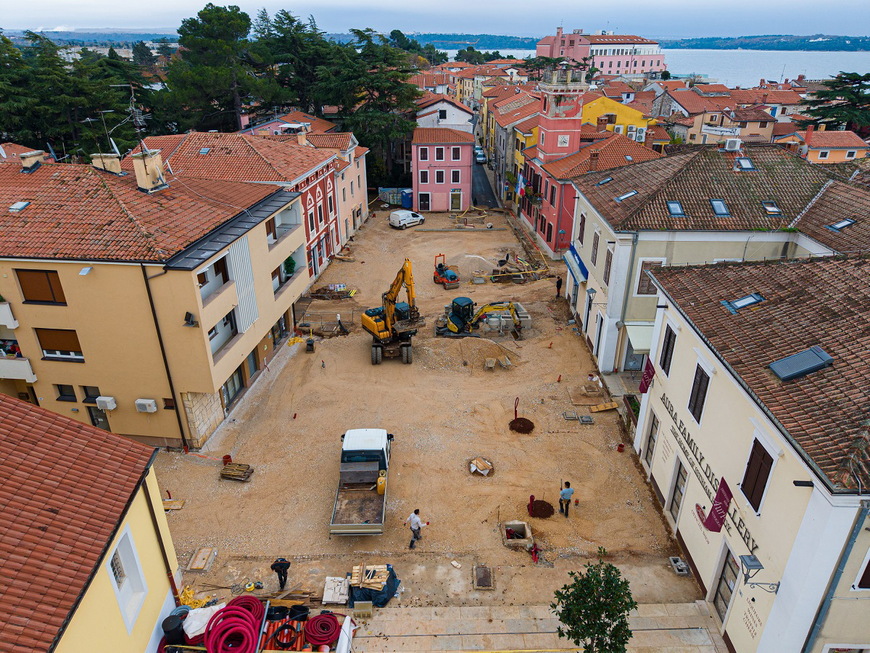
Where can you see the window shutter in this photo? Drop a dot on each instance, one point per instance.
(757, 471)
(41, 286)
(699, 393)
(608, 262)
(645, 285)
(594, 257)
(668, 350)
(582, 228)
(58, 339)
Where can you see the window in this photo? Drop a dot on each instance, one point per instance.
(675, 208)
(726, 585)
(645, 285)
(455, 176)
(699, 393)
(128, 581)
(679, 491)
(59, 344)
(271, 237)
(439, 153)
(746, 300)
(745, 163)
(823, 154)
(442, 114)
(667, 350)
(606, 180)
(842, 224)
(455, 153)
(594, 255)
(331, 205)
(118, 572)
(41, 286)
(757, 472)
(719, 207)
(762, 124)
(851, 154)
(311, 219)
(424, 154)
(439, 176)
(424, 176)
(651, 439)
(65, 392)
(771, 207)
(91, 392)
(581, 229)
(625, 196)
(344, 195)
(608, 262)
(320, 213)
(553, 195)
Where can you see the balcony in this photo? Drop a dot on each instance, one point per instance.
(6, 318)
(16, 368)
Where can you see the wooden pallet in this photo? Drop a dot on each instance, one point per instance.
(600, 407)
(237, 472)
(369, 577)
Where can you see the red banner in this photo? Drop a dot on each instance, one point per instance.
(719, 509)
(649, 371)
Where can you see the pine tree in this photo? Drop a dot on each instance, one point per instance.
(142, 55)
(844, 102)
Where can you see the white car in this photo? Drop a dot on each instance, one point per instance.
(480, 158)
(405, 219)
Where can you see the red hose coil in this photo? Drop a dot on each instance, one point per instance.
(322, 629)
(251, 604)
(232, 629)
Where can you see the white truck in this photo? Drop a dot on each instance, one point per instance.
(361, 498)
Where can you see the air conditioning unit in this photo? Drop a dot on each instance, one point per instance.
(106, 403)
(640, 136)
(733, 145)
(146, 406)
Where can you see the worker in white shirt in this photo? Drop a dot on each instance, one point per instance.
(416, 526)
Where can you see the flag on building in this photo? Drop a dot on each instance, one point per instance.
(649, 371)
(719, 509)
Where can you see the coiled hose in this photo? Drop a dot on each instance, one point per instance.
(322, 629)
(233, 629)
(251, 604)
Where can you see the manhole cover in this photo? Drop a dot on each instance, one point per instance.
(521, 425)
(483, 578)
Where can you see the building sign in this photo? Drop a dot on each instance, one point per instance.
(720, 131)
(705, 474)
(716, 518)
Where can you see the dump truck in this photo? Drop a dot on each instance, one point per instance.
(361, 498)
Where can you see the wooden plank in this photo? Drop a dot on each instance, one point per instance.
(173, 504)
(602, 407)
(202, 559)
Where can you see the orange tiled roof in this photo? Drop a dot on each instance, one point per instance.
(711, 88)
(695, 104)
(517, 113)
(318, 125)
(332, 140)
(527, 125)
(106, 217)
(837, 202)
(612, 152)
(14, 151)
(441, 135)
(429, 99)
(615, 38)
(764, 96)
(833, 139)
(824, 302)
(360, 151)
(657, 133)
(530, 152)
(65, 491)
(238, 157)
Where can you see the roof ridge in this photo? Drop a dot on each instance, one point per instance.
(147, 235)
(812, 202)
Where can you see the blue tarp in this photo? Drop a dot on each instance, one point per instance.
(379, 598)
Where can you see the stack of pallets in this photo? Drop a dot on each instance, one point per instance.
(372, 577)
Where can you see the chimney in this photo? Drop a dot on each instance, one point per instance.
(764, 97)
(593, 160)
(108, 162)
(801, 77)
(601, 123)
(809, 134)
(148, 166)
(302, 134)
(761, 82)
(30, 161)
(558, 32)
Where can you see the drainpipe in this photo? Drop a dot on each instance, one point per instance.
(169, 574)
(832, 587)
(184, 441)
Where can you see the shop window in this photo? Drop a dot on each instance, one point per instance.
(699, 393)
(756, 475)
(41, 286)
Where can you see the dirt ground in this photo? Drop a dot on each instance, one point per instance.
(444, 410)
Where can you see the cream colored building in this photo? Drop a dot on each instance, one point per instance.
(705, 206)
(760, 385)
(149, 308)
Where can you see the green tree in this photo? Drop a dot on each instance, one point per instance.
(470, 55)
(217, 73)
(593, 609)
(433, 55)
(142, 55)
(666, 75)
(165, 49)
(844, 102)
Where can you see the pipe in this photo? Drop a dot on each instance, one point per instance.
(184, 441)
(160, 542)
(838, 574)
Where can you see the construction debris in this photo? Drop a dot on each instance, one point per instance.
(237, 472)
(481, 466)
(601, 407)
(336, 590)
(333, 291)
(202, 559)
(372, 577)
(173, 504)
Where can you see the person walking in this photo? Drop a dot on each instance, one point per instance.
(416, 525)
(280, 567)
(565, 498)
(558, 287)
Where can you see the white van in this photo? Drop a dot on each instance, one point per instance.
(405, 219)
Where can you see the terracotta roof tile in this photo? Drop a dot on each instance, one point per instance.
(14, 151)
(837, 202)
(318, 125)
(441, 135)
(429, 99)
(611, 152)
(527, 125)
(616, 38)
(65, 490)
(833, 138)
(744, 96)
(360, 151)
(332, 140)
(824, 302)
(751, 115)
(694, 103)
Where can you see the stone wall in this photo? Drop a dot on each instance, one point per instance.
(205, 412)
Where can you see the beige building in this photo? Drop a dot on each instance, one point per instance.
(754, 435)
(705, 205)
(143, 303)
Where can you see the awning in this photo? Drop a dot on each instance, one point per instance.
(575, 265)
(640, 336)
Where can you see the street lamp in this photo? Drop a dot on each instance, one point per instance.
(750, 566)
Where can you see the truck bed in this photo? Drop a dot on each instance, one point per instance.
(358, 509)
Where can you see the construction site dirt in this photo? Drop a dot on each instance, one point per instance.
(444, 409)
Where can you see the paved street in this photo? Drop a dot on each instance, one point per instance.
(481, 189)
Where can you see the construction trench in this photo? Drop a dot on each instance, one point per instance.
(445, 409)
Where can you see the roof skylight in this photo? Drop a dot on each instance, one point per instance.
(19, 206)
(675, 208)
(742, 302)
(719, 207)
(842, 224)
(771, 207)
(625, 196)
(745, 163)
(628, 157)
(800, 364)
(606, 180)
(205, 150)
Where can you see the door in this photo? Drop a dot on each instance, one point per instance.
(679, 491)
(99, 418)
(423, 202)
(252, 363)
(455, 201)
(725, 585)
(231, 389)
(633, 362)
(599, 327)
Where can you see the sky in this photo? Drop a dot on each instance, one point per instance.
(663, 19)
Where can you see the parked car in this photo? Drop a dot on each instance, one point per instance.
(480, 158)
(405, 219)
(478, 150)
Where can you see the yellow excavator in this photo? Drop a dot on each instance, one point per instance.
(393, 324)
(464, 317)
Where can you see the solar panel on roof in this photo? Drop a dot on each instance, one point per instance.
(800, 364)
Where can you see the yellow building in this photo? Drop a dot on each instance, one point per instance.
(158, 302)
(825, 146)
(614, 116)
(86, 556)
(754, 441)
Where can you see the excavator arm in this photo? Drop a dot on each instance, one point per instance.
(405, 278)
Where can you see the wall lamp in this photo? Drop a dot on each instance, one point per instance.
(85, 271)
(803, 484)
(750, 566)
(189, 320)
(591, 292)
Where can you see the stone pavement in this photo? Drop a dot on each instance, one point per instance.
(657, 628)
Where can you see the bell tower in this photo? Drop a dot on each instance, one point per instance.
(562, 93)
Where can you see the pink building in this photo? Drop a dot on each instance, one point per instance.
(442, 167)
(612, 54)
